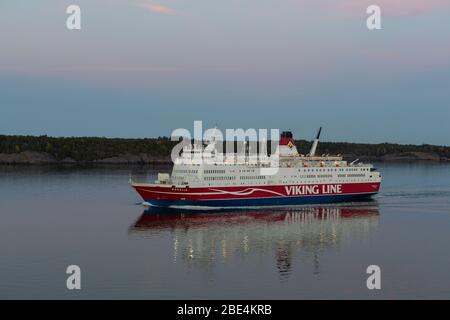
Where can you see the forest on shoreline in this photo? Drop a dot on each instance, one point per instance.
(48, 150)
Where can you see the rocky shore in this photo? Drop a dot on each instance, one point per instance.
(399, 157)
(43, 158)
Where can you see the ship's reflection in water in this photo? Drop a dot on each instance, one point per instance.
(203, 239)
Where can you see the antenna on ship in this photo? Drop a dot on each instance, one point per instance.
(312, 152)
(213, 137)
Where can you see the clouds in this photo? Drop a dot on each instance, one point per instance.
(393, 8)
(156, 8)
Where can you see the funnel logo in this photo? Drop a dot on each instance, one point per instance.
(290, 144)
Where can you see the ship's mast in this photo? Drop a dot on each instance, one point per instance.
(312, 152)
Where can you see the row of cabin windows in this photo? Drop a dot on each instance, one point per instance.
(308, 176)
(324, 176)
(350, 175)
(252, 170)
(184, 171)
(251, 177)
(307, 170)
(214, 171)
(220, 178)
(335, 169)
(319, 181)
(283, 181)
(313, 176)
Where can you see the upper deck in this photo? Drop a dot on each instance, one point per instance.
(198, 166)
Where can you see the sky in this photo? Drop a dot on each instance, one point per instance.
(141, 68)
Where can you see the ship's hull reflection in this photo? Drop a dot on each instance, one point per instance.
(207, 238)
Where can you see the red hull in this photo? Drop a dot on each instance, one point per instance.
(253, 192)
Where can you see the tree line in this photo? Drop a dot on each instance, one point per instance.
(95, 148)
(85, 148)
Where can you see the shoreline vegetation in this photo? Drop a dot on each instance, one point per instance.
(45, 150)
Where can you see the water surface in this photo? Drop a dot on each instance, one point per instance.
(54, 217)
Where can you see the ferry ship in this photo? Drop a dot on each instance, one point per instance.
(201, 179)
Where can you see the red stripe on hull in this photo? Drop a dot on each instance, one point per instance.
(249, 192)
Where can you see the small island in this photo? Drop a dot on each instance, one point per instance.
(45, 150)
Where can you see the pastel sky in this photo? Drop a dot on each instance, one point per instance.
(143, 68)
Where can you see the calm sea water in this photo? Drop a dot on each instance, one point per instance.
(51, 218)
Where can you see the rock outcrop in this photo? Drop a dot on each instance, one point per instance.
(142, 158)
(411, 156)
(42, 158)
(27, 157)
(404, 156)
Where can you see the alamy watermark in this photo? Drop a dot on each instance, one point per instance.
(374, 280)
(373, 22)
(73, 21)
(212, 147)
(73, 281)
